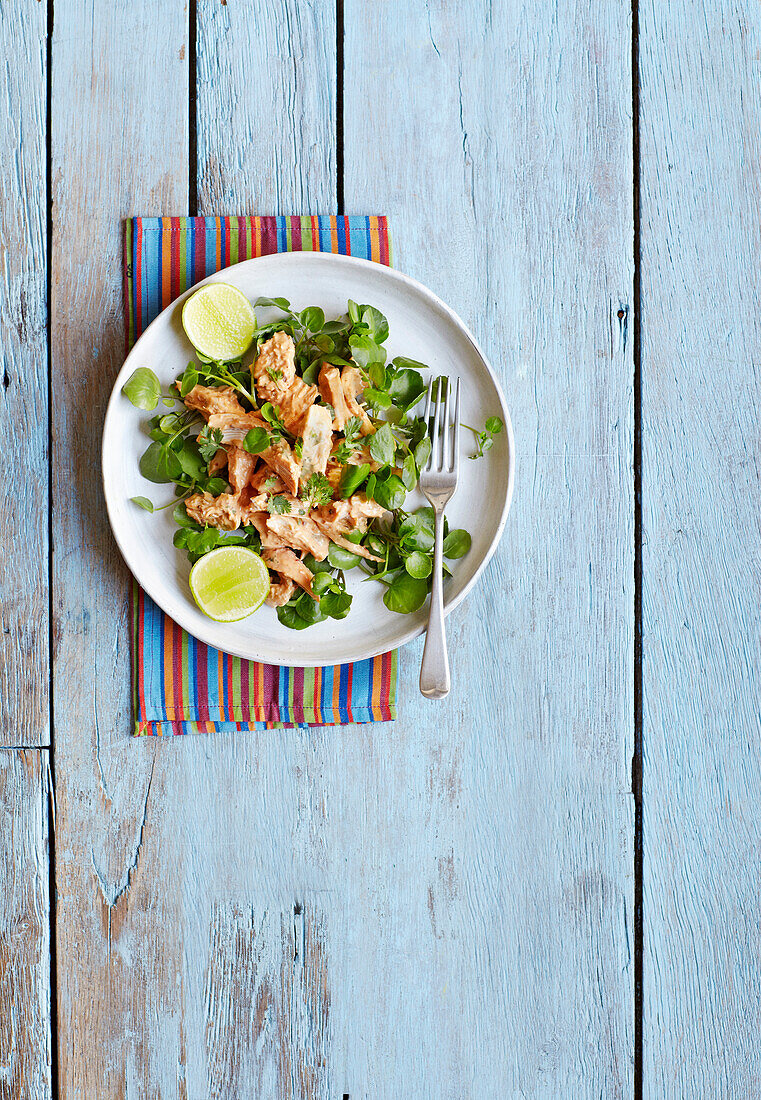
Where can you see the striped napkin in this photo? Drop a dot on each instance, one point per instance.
(181, 685)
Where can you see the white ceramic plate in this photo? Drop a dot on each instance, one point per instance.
(422, 328)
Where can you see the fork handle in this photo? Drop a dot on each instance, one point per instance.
(434, 671)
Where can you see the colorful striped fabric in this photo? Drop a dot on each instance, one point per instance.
(181, 685)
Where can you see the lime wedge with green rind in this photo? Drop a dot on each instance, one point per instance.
(229, 583)
(219, 321)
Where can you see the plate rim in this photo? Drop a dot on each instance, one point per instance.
(405, 280)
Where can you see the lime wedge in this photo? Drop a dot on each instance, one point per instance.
(219, 321)
(229, 583)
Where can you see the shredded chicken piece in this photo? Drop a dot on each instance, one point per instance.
(335, 536)
(251, 506)
(280, 458)
(352, 385)
(318, 440)
(235, 425)
(349, 515)
(222, 511)
(287, 564)
(300, 534)
(218, 462)
(265, 481)
(334, 472)
(274, 374)
(280, 592)
(214, 400)
(331, 391)
(240, 467)
(270, 541)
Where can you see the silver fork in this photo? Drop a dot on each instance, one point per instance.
(438, 481)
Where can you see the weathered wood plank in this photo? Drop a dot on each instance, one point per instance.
(266, 95)
(701, 341)
(24, 926)
(119, 146)
(488, 840)
(24, 670)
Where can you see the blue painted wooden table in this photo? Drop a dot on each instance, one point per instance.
(545, 886)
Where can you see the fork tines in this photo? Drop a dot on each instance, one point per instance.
(444, 432)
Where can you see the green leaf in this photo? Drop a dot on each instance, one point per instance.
(189, 380)
(142, 502)
(279, 506)
(216, 486)
(190, 460)
(290, 617)
(336, 604)
(376, 323)
(208, 440)
(383, 445)
(417, 532)
(317, 490)
(372, 481)
(418, 564)
(423, 453)
(364, 350)
(309, 609)
(407, 387)
(256, 440)
(168, 401)
(376, 398)
(312, 318)
(406, 594)
(353, 311)
(402, 363)
(391, 493)
(171, 423)
(142, 388)
(494, 425)
(278, 303)
(457, 543)
(160, 464)
(340, 558)
(351, 479)
(311, 373)
(409, 473)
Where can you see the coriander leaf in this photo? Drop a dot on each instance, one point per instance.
(142, 388)
(406, 594)
(317, 491)
(209, 440)
(142, 502)
(270, 482)
(383, 445)
(279, 506)
(457, 543)
(418, 564)
(256, 440)
(351, 479)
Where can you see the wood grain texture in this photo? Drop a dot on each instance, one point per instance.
(24, 669)
(119, 146)
(24, 926)
(266, 107)
(701, 342)
(497, 139)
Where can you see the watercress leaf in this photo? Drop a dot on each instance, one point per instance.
(181, 517)
(402, 363)
(278, 303)
(159, 464)
(364, 350)
(168, 401)
(391, 492)
(409, 473)
(324, 343)
(170, 423)
(488, 443)
(422, 452)
(494, 425)
(383, 445)
(321, 582)
(142, 502)
(334, 327)
(142, 388)
(406, 594)
(312, 318)
(457, 543)
(189, 379)
(340, 558)
(290, 617)
(256, 440)
(351, 479)
(190, 460)
(353, 311)
(407, 387)
(377, 375)
(372, 481)
(336, 604)
(418, 564)
(215, 486)
(311, 372)
(377, 399)
(376, 323)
